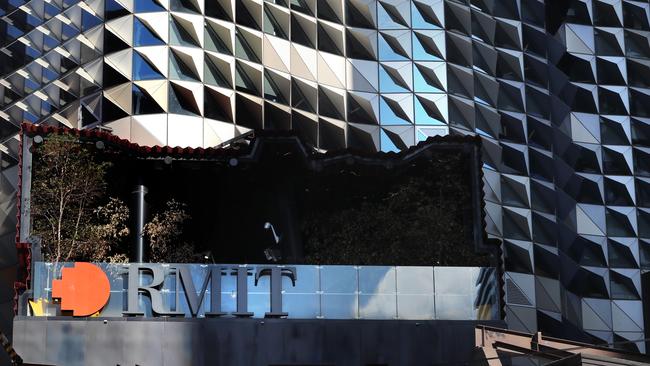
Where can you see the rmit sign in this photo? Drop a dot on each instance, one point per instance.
(83, 299)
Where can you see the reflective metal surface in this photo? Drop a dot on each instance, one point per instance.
(320, 292)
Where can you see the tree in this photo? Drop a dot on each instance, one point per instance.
(164, 233)
(417, 221)
(67, 184)
(108, 233)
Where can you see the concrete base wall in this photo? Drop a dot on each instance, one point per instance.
(232, 342)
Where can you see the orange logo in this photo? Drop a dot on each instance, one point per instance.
(83, 289)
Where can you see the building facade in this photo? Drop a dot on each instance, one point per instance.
(559, 91)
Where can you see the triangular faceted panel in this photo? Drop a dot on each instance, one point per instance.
(393, 14)
(394, 45)
(121, 28)
(428, 14)
(143, 36)
(363, 136)
(219, 104)
(400, 137)
(144, 103)
(120, 96)
(304, 95)
(277, 54)
(219, 36)
(113, 43)
(218, 70)
(362, 75)
(623, 252)
(331, 70)
(331, 134)
(157, 89)
(186, 98)
(430, 77)
(114, 9)
(146, 6)
(621, 221)
(361, 13)
(431, 109)
(428, 45)
(220, 9)
(277, 117)
(186, 65)
(363, 108)
(331, 10)
(331, 102)
(112, 112)
(331, 38)
(395, 77)
(277, 87)
(396, 109)
(361, 43)
(143, 69)
(619, 190)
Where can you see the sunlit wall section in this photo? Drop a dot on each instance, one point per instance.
(369, 74)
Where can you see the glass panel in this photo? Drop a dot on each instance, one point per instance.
(117, 300)
(338, 279)
(414, 280)
(454, 307)
(453, 286)
(228, 293)
(395, 77)
(415, 306)
(378, 306)
(142, 6)
(377, 296)
(301, 306)
(329, 292)
(143, 36)
(453, 280)
(303, 299)
(143, 69)
(486, 294)
(415, 292)
(377, 280)
(259, 297)
(339, 306)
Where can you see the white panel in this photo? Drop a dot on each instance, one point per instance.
(216, 132)
(185, 131)
(149, 130)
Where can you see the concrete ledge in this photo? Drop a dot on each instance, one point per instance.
(232, 341)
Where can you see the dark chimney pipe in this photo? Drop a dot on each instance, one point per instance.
(139, 220)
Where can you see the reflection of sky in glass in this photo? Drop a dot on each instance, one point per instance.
(388, 117)
(328, 292)
(377, 293)
(420, 83)
(419, 52)
(386, 52)
(424, 118)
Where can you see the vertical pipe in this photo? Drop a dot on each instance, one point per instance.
(140, 216)
(26, 187)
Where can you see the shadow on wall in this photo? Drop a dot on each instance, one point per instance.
(8, 258)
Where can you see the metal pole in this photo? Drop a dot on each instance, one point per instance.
(140, 218)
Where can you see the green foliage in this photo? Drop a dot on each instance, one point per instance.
(165, 235)
(109, 232)
(67, 185)
(420, 221)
